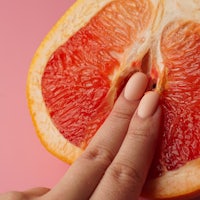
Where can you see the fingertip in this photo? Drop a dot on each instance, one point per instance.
(148, 104)
(136, 86)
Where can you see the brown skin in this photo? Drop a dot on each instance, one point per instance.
(117, 159)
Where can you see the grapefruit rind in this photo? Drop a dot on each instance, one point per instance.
(182, 182)
(72, 21)
(62, 30)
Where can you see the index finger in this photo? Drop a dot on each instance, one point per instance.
(125, 177)
(84, 175)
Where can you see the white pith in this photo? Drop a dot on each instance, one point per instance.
(60, 33)
(165, 11)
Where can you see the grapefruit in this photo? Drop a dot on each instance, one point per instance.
(80, 67)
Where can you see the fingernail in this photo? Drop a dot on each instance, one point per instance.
(148, 104)
(136, 86)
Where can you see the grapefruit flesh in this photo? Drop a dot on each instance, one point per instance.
(77, 79)
(180, 99)
(79, 70)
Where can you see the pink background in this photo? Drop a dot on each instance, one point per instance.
(24, 162)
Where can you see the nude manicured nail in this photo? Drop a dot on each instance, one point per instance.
(148, 104)
(136, 86)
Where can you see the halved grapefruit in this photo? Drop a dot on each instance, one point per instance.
(83, 62)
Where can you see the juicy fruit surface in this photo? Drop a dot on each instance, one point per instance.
(77, 79)
(84, 74)
(180, 99)
(84, 61)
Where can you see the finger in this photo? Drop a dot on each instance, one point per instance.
(36, 192)
(28, 194)
(84, 175)
(125, 177)
(13, 195)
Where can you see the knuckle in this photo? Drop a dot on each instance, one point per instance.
(125, 174)
(139, 133)
(121, 114)
(98, 154)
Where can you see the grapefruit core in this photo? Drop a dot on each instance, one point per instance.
(84, 61)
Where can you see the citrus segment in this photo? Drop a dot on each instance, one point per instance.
(180, 99)
(84, 62)
(78, 76)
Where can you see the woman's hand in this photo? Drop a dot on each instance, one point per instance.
(116, 162)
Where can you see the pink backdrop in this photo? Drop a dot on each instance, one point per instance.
(24, 162)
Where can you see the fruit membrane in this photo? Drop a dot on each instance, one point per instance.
(82, 65)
